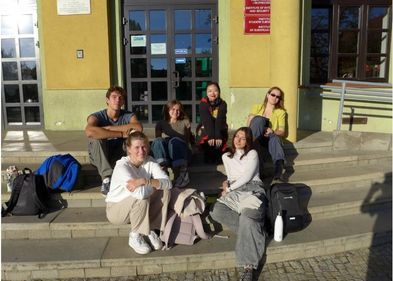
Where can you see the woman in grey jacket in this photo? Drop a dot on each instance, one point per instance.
(242, 203)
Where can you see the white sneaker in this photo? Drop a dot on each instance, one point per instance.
(155, 240)
(139, 244)
(106, 183)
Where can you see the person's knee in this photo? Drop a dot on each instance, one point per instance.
(216, 212)
(273, 138)
(142, 204)
(176, 142)
(95, 144)
(257, 119)
(157, 141)
(253, 214)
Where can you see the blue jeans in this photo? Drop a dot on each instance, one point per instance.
(273, 142)
(170, 151)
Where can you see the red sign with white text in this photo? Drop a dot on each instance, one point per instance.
(257, 7)
(257, 16)
(256, 24)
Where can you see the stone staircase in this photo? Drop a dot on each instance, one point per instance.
(350, 207)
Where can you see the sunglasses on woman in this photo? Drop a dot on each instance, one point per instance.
(275, 96)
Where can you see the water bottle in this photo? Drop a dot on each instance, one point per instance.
(278, 228)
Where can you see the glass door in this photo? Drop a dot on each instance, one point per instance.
(20, 79)
(171, 53)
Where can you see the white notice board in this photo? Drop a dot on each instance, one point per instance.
(73, 7)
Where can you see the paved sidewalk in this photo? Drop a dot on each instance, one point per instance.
(374, 264)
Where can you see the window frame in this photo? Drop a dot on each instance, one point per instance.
(362, 53)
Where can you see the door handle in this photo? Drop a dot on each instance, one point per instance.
(176, 79)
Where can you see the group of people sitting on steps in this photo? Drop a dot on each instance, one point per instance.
(135, 177)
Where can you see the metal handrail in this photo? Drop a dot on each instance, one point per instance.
(357, 94)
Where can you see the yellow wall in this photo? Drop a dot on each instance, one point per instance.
(250, 54)
(61, 36)
(258, 62)
(285, 53)
(73, 88)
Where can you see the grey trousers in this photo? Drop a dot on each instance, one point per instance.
(103, 155)
(273, 142)
(249, 227)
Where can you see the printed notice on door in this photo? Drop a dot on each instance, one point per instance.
(158, 48)
(73, 7)
(257, 16)
(138, 41)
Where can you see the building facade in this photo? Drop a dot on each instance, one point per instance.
(59, 57)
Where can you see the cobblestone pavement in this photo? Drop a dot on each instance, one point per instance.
(374, 264)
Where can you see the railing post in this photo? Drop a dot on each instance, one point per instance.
(341, 107)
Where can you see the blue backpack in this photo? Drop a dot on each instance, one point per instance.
(60, 171)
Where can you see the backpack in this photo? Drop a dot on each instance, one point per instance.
(182, 230)
(29, 196)
(291, 200)
(60, 171)
(184, 224)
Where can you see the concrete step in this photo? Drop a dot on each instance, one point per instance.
(324, 180)
(309, 160)
(351, 201)
(301, 162)
(107, 257)
(19, 147)
(92, 222)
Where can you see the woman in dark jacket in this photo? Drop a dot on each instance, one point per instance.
(214, 128)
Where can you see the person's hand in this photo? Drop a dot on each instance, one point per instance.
(133, 184)
(210, 142)
(268, 132)
(223, 193)
(225, 188)
(218, 143)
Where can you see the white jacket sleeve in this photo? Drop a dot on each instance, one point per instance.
(158, 174)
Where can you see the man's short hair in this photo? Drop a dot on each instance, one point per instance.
(118, 89)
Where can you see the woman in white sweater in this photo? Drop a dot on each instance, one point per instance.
(139, 195)
(242, 203)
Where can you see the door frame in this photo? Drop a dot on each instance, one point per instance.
(168, 6)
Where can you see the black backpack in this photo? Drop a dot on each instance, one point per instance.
(292, 200)
(29, 196)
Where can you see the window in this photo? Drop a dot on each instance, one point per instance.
(350, 39)
(320, 38)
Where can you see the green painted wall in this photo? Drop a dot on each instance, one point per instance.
(240, 101)
(379, 116)
(310, 109)
(68, 110)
